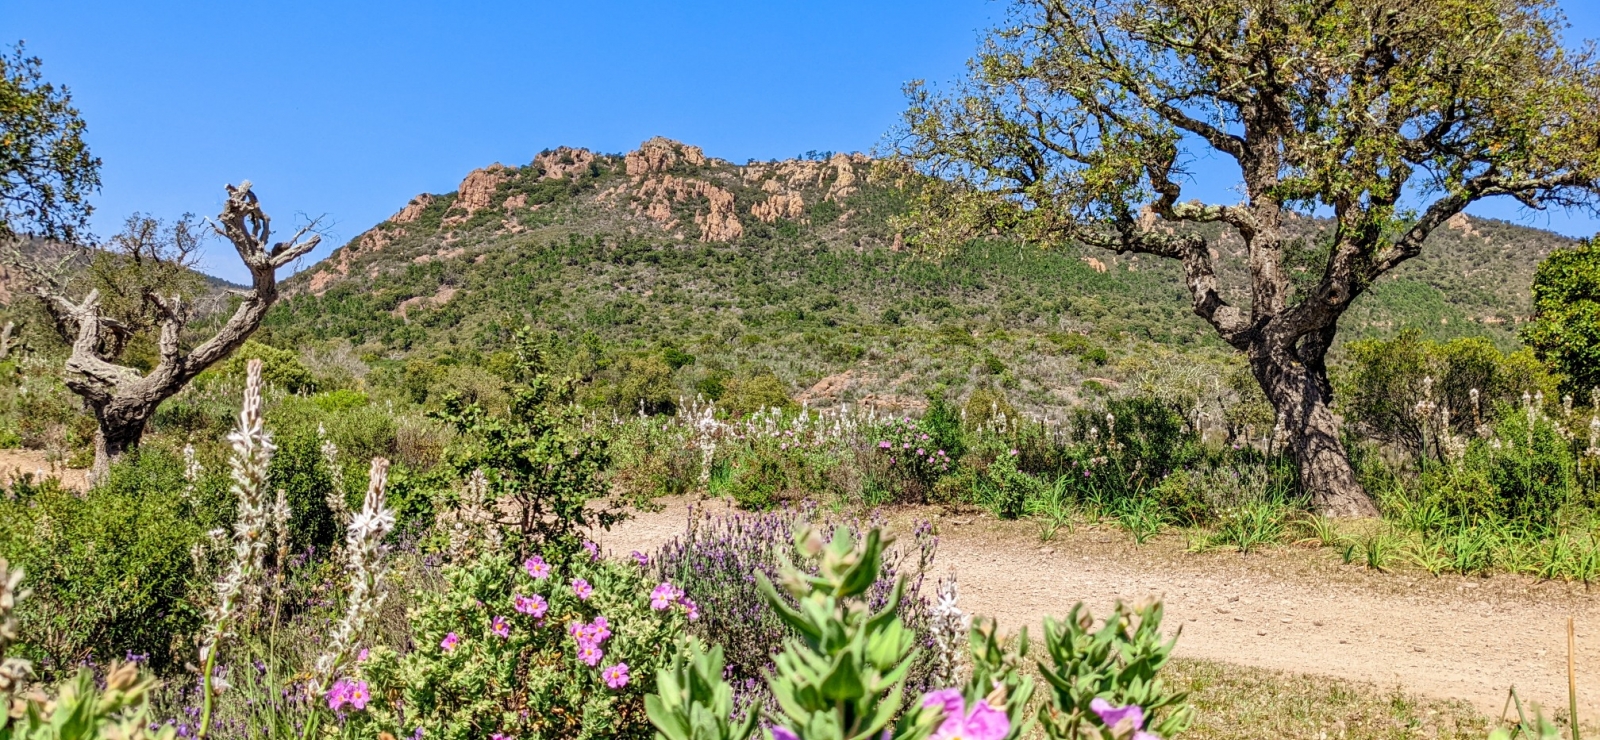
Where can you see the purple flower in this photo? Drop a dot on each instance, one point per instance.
(590, 653)
(533, 606)
(361, 657)
(339, 695)
(982, 722)
(499, 627)
(884, 445)
(498, 736)
(689, 607)
(449, 642)
(641, 558)
(616, 676)
(782, 733)
(1114, 716)
(537, 567)
(359, 695)
(582, 589)
(663, 596)
(594, 550)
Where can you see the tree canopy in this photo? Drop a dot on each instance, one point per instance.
(1085, 120)
(46, 171)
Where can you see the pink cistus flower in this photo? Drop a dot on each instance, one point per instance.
(498, 736)
(981, 722)
(339, 695)
(592, 549)
(499, 627)
(884, 445)
(582, 589)
(616, 676)
(691, 609)
(533, 606)
(590, 653)
(536, 567)
(782, 733)
(449, 642)
(1122, 719)
(641, 558)
(347, 692)
(663, 596)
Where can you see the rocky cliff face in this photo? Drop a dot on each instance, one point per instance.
(664, 185)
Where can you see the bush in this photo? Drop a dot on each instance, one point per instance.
(543, 467)
(715, 563)
(502, 649)
(751, 393)
(1565, 331)
(110, 569)
(280, 368)
(298, 470)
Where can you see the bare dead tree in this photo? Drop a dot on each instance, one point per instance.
(123, 399)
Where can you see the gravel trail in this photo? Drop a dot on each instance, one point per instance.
(1291, 608)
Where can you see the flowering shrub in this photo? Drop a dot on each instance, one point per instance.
(716, 563)
(912, 452)
(524, 651)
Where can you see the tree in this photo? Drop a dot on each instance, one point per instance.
(1565, 332)
(141, 286)
(46, 172)
(1078, 121)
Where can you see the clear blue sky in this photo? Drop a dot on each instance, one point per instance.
(347, 109)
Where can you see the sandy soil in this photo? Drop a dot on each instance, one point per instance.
(1291, 608)
(16, 463)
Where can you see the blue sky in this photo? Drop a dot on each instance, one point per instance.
(347, 109)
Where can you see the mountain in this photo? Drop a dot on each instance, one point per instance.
(793, 267)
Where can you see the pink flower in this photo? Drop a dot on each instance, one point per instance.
(1013, 452)
(498, 736)
(361, 657)
(359, 695)
(537, 567)
(582, 589)
(884, 445)
(449, 642)
(533, 606)
(602, 629)
(689, 607)
(1119, 719)
(339, 695)
(921, 452)
(499, 627)
(590, 653)
(641, 558)
(983, 722)
(593, 549)
(663, 596)
(782, 733)
(616, 676)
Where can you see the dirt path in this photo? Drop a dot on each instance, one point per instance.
(16, 463)
(1291, 609)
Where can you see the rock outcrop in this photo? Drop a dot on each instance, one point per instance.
(660, 193)
(413, 210)
(781, 205)
(659, 155)
(477, 191)
(562, 162)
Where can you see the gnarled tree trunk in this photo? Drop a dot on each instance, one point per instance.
(1295, 379)
(121, 398)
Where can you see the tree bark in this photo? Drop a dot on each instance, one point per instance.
(1295, 379)
(115, 435)
(123, 400)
